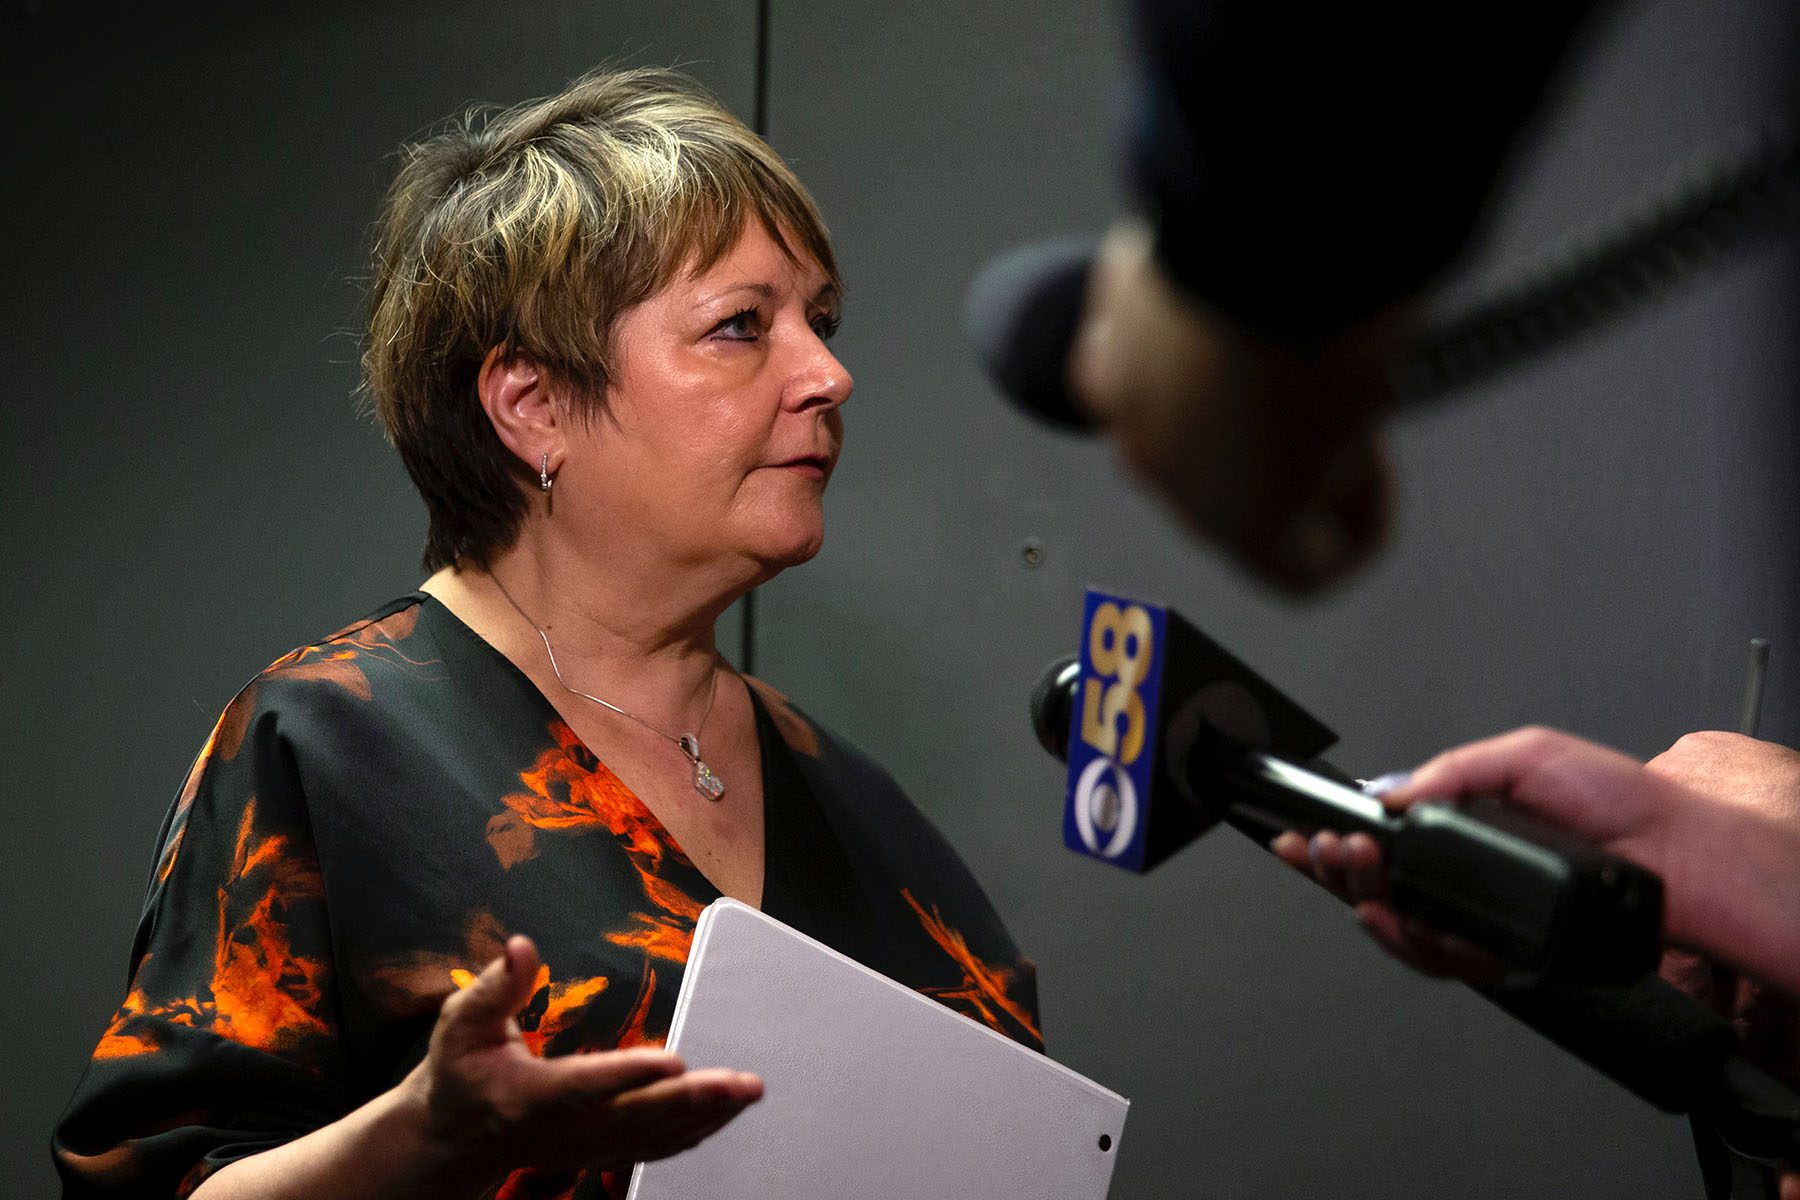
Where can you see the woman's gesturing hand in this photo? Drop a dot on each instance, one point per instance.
(486, 1096)
(482, 1104)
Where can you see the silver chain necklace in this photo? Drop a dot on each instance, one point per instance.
(706, 780)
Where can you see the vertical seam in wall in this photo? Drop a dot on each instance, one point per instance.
(760, 114)
(759, 121)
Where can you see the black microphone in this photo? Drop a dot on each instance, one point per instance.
(1460, 865)
(1021, 315)
(1024, 306)
(1166, 734)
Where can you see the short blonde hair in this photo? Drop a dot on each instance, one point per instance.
(530, 230)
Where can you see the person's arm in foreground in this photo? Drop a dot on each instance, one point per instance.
(1725, 838)
(1273, 454)
(1717, 815)
(1305, 170)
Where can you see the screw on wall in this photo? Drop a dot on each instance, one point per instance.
(1031, 553)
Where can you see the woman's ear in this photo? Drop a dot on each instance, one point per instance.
(520, 399)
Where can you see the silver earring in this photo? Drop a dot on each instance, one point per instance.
(544, 479)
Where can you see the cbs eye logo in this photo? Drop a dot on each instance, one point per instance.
(1120, 649)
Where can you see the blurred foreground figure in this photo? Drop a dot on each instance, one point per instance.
(1307, 169)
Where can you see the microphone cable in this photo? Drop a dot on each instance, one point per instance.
(1717, 206)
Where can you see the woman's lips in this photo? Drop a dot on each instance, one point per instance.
(809, 466)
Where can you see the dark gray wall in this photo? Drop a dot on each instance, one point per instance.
(188, 492)
(188, 486)
(1589, 542)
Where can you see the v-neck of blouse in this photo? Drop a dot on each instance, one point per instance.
(808, 880)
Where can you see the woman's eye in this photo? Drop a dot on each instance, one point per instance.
(738, 327)
(825, 324)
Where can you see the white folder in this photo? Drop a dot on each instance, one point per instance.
(871, 1089)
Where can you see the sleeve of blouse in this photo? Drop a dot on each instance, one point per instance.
(227, 1041)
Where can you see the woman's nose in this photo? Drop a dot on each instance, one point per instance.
(820, 378)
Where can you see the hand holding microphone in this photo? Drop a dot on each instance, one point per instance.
(1270, 451)
(1718, 815)
(1165, 734)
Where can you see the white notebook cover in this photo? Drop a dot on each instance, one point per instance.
(871, 1090)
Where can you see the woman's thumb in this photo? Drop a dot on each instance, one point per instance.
(488, 1000)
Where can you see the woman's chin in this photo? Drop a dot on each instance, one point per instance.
(790, 546)
(794, 555)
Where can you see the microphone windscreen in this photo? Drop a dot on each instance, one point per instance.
(1021, 317)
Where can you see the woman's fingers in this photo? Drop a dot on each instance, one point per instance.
(485, 1088)
(695, 1091)
(605, 1087)
(605, 1074)
(610, 1108)
(680, 1120)
(666, 1116)
(478, 1014)
(668, 1144)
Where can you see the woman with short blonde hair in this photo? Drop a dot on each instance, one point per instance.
(421, 908)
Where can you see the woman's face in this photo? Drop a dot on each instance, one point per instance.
(722, 420)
